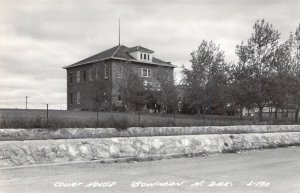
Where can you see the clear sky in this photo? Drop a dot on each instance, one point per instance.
(39, 37)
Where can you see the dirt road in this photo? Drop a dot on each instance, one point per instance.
(273, 170)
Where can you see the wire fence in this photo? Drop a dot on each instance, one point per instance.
(55, 115)
(33, 106)
(31, 115)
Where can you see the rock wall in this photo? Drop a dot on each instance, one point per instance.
(14, 153)
(78, 133)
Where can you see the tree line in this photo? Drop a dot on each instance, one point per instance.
(267, 74)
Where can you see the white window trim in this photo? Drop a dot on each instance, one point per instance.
(78, 97)
(90, 74)
(148, 72)
(78, 76)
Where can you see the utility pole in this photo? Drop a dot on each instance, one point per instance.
(26, 101)
(119, 32)
(47, 111)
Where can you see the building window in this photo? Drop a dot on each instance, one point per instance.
(78, 76)
(90, 74)
(145, 72)
(144, 56)
(105, 97)
(120, 74)
(148, 57)
(71, 98)
(71, 77)
(84, 75)
(96, 73)
(78, 97)
(141, 56)
(120, 96)
(106, 71)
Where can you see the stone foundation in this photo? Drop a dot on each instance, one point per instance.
(13, 153)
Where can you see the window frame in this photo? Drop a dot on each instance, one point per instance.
(78, 97)
(121, 71)
(148, 72)
(84, 75)
(90, 75)
(96, 74)
(119, 97)
(70, 77)
(106, 71)
(78, 76)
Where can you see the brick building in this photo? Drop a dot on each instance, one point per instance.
(99, 76)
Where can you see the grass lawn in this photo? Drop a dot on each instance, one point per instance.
(18, 118)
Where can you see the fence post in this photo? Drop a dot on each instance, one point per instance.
(47, 111)
(26, 101)
(139, 116)
(174, 119)
(97, 117)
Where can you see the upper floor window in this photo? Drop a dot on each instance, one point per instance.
(96, 76)
(84, 75)
(144, 56)
(148, 57)
(106, 71)
(120, 72)
(141, 56)
(90, 74)
(145, 72)
(78, 76)
(71, 77)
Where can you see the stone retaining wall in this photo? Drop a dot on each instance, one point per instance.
(14, 153)
(78, 133)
